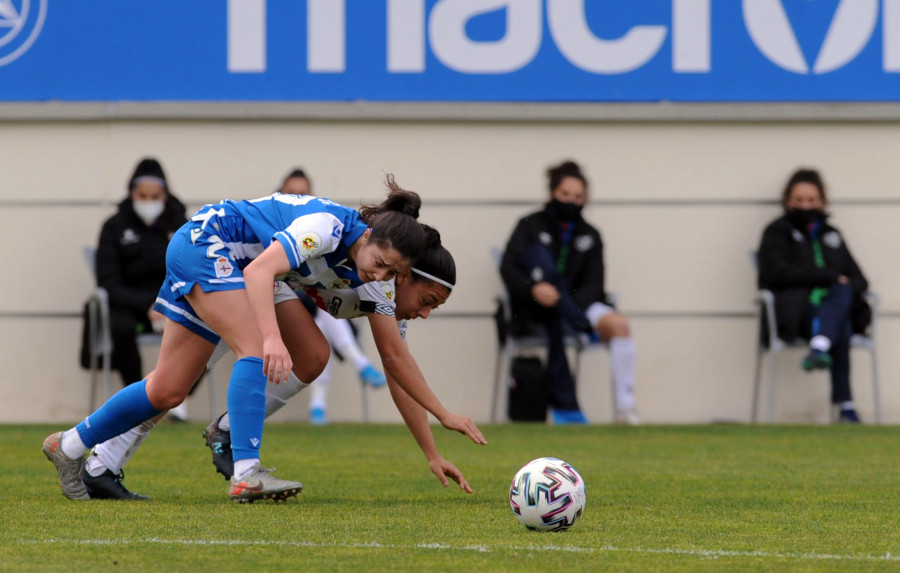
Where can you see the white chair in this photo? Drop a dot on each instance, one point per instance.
(100, 345)
(771, 346)
(509, 346)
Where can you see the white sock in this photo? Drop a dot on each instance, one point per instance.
(819, 342)
(71, 444)
(340, 336)
(319, 388)
(114, 453)
(848, 405)
(243, 467)
(622, 365)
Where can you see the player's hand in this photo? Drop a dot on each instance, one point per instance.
(465, 426)
(444, 469)
(277, 363)
(545, 294)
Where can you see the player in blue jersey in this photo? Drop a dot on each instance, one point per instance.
(414, 293)
(220, 270)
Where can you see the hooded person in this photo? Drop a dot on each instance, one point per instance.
(131, 262)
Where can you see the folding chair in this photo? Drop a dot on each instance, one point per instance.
(509, 345)
(772, 346)
(100, 345)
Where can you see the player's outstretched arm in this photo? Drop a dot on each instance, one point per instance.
(416, 419)
(399, 364)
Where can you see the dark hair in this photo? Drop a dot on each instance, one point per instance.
(393, 221)
(296, 173)
(563, 170)
(803, 176)
(148, 167)
(436, 260)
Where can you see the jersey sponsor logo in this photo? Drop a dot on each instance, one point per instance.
(334, 307)
(21, 22)
(223, 267)
(832, 239)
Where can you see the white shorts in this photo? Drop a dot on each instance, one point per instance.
(597, 311)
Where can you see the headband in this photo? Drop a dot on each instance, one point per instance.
(148, 179)
(432, 278)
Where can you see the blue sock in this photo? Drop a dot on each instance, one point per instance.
(126, 409)
(247, 407)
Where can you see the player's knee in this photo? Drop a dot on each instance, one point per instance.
(315, 358)
(165, 398)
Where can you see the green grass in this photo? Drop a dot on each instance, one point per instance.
(683, 498)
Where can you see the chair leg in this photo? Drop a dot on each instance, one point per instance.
(772, 364)
(213, 390)
(495, 391)
(364, 398)
(876, 390)
(757, 373)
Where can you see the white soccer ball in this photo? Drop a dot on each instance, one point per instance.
(547, 494)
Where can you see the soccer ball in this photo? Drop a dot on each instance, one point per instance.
(547, 494)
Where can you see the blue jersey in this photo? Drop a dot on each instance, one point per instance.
(316, 235)
(215, 245)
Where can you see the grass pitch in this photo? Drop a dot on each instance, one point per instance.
(682, 498)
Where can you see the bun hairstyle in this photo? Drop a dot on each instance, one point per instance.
(394, 221)
(436, 264)
(803, 176)
(555, 175)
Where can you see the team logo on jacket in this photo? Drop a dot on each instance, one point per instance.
(584, 243)
(545, 238)
(798, 236)
(224, 268)
(310, 241)
(129, 237)
(832, 239)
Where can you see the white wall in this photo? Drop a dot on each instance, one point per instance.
(679, 204)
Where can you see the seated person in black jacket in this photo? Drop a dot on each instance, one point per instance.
(131, 262)
(817, 284)
(553, 270)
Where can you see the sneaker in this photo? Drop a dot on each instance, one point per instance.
(816, 360)
(317, 416)
(371, 376)
(849, 416)
(568, 417)
(259, 484)
(70, 471)
(628, 417)
(219, 442)
(109, 486)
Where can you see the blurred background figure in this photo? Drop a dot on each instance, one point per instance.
(554, 272)
(817, 284)
(339, 332)
(131, 264)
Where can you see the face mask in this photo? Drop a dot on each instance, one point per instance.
(564, 211)
(804, 217)
(149, 211)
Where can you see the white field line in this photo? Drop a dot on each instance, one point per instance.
(705, 553)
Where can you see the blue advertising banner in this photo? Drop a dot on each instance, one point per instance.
(450, 50)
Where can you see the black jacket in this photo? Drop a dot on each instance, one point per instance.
(787, 267)
(584, 265)
(131, 257)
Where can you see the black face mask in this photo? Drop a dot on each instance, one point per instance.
(565, 212)
(802, 218)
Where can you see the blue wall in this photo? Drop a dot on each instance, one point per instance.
(451, 50)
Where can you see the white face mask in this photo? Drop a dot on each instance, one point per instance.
(149, 211)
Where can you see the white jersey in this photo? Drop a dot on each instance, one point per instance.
(368, 298)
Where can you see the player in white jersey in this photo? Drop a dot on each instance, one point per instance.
(412, 294)
(220, 268)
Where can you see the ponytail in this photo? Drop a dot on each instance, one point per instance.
(394, 221)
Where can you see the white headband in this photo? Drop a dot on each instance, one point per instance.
(432, 278)
(148, 179)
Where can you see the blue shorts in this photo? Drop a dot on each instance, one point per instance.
(205, 261)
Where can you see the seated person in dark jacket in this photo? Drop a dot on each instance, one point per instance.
(817, 284)
(553, 270)
(131, 262)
